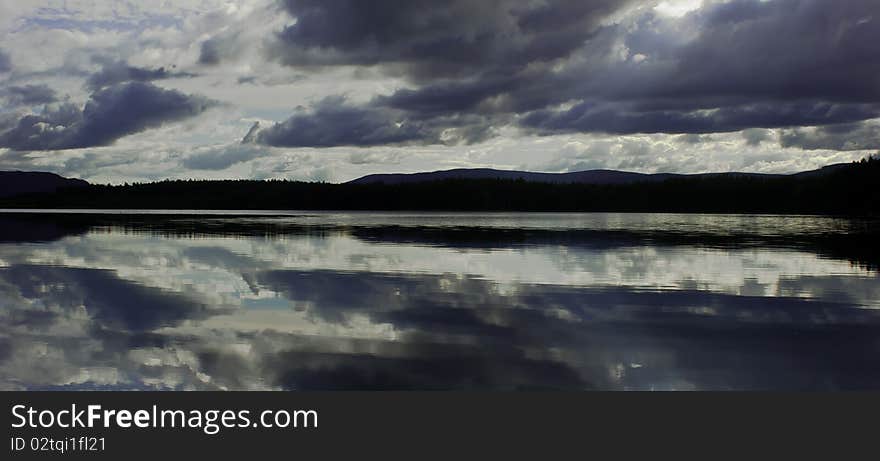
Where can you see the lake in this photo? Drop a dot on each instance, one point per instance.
(497, 301)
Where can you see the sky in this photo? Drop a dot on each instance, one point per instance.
(331, 90)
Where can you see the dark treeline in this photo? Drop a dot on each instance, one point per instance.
(851, 189)
(851, 239)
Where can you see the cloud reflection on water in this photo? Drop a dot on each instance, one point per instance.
(343, 309)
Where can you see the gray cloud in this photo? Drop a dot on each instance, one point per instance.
(5, 62)
(334, 122)
(113, 72)
(28, 95)
(755, 136)
(617, 119)
(109, 114)
(90, 163)
(210, 52)
(8, 120)
(693, 138)
(856, 136)
(219, 48)
(224, 157)
(367, 158)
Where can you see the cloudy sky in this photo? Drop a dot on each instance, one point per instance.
(115, 91)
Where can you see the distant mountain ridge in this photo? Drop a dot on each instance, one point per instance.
(13, 183)
(598, 177)
(848, 189)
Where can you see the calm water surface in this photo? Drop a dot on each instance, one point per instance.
(258, 300)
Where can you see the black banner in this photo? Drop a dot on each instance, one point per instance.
(413, 425)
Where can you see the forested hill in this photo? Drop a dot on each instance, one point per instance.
(14, 183)
(841, 189)
(598, 177)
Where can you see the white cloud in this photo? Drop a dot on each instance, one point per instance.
(677, 8)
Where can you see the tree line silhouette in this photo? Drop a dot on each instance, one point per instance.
(849, 189)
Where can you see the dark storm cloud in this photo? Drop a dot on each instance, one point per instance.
(433, 39)
(750, 50)
(786, 49)
(334, 122)
(461, 54)
(5, 62)
(109, 114)
(28, 95)
(616, 119)
(729, 66)
(452, 97)
(749, 64)
(113, 72)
